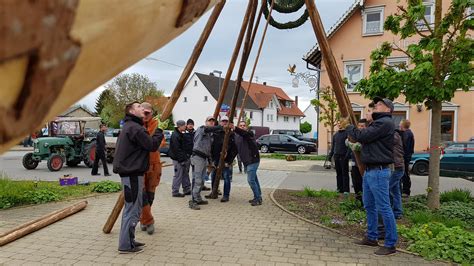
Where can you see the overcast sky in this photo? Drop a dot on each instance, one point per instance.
(281, 48)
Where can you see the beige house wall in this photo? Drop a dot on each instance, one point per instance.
(348, 44)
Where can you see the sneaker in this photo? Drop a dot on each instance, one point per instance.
(134, 250)
(193, 205)
(150, 229)
(385, 251)
(256, 202)
(224, 199)
(179, 195)
(139, 244)
(143, 227)
(202, 202)
(204, 188)
(367, 242)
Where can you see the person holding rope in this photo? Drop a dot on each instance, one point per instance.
(131, 162)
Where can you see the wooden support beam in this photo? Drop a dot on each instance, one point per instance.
(243, 63)
(37, 224)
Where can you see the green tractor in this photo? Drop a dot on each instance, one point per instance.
(67, 143)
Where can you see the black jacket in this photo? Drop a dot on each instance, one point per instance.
(100, 142)
(247, 146)
(376, 139)
(338, 145)
(177, 149)
(133, 147)
(218, 142)
(408, 144)
(189, 141)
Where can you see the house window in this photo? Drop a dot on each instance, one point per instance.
(195, 83)
(373, 21)
(353, 72)
(288, 104)
(251, 115)
(286, 118)
(398, 64)
(294, 119)
(447, 126)
(185, 99)
(429, 15)
(398, 116)
(270, 104)
(269, 118)
(205, 98)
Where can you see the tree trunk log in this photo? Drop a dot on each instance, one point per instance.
(44, 221)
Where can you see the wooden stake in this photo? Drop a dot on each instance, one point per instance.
(37, 224)
(243, 63)
(233, 59)
(192, 60)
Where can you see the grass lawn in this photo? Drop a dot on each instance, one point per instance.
(17, 193)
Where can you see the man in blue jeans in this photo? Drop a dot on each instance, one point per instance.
(377, 154)
(248, 151)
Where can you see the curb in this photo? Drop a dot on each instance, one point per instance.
(332, 229)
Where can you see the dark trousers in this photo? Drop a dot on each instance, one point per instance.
(406, 181)
(357, 181)
(100, 156)
(342, 173)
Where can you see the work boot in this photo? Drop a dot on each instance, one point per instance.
(178, 195)
(210, 196)
(150, 229)
(367, 242)
(139, 244)
(193, 205)
(224, 199)
(187, 193)
(256, 202)
(134, 250)
(385, 251)
(204, 188)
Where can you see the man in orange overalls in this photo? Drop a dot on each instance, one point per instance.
(152, 176)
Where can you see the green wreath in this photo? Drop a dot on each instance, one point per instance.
(286, 6)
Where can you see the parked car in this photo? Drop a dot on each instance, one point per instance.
(457, 159)
(286, 143)
(259, 131)
(295, 133)
(165, 148)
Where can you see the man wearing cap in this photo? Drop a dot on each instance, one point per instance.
(377, 154)
(181, 161)
(152, 176)
(217, 144)
(200, 158)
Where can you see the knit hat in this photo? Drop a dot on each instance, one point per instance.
(190, 122)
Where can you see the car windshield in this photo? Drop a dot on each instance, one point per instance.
(293, 138)
(67, 128)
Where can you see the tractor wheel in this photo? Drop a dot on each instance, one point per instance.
(89, 154)
(55, 162)
(28, 161)
(73, 163)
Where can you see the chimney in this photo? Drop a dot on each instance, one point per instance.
(211, 74)
(264, 83)
(296, 101)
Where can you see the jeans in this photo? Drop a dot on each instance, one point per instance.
(377, 200)
(227, 175)
(395, 193)
(252, 179)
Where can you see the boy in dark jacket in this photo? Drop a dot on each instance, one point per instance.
(100, 152)
(341, 158)
(408, 148)
(377, 155)
(178, 153)
(248, 151)
(131, 161)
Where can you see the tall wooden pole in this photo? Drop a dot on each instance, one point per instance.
(233, 60)
(243, 63)
(244, 101)
(109, 224)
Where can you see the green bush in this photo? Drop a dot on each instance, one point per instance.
(421, 217)
(41, 196)
(457, 194)
(308, 192)
(348, 205)
(458, 210)
(107, 186)
(413, 206)
(437, 241)
(356, 217)
(419, 198)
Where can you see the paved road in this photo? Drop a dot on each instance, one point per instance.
(232, 233)
(272, 173)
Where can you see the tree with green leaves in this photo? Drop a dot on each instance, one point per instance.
(305, 127)
(104, 96)
(124, 89)
(440, 64)
(329, 113)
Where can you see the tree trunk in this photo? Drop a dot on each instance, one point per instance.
(435, 149)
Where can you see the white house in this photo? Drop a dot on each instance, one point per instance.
(311, 116)
(266, 105)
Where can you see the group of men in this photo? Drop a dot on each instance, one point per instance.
(386, 152)
(200, 150)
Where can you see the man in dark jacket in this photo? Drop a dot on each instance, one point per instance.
(248, 151)
(217, 143)
(180, 159)
(377, 154)
(355, 173)
(409, 148)
(131, 161)
(100, 152)
(341, 157)
(399, 168)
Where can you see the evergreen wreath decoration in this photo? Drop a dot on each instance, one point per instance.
(286, 6)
